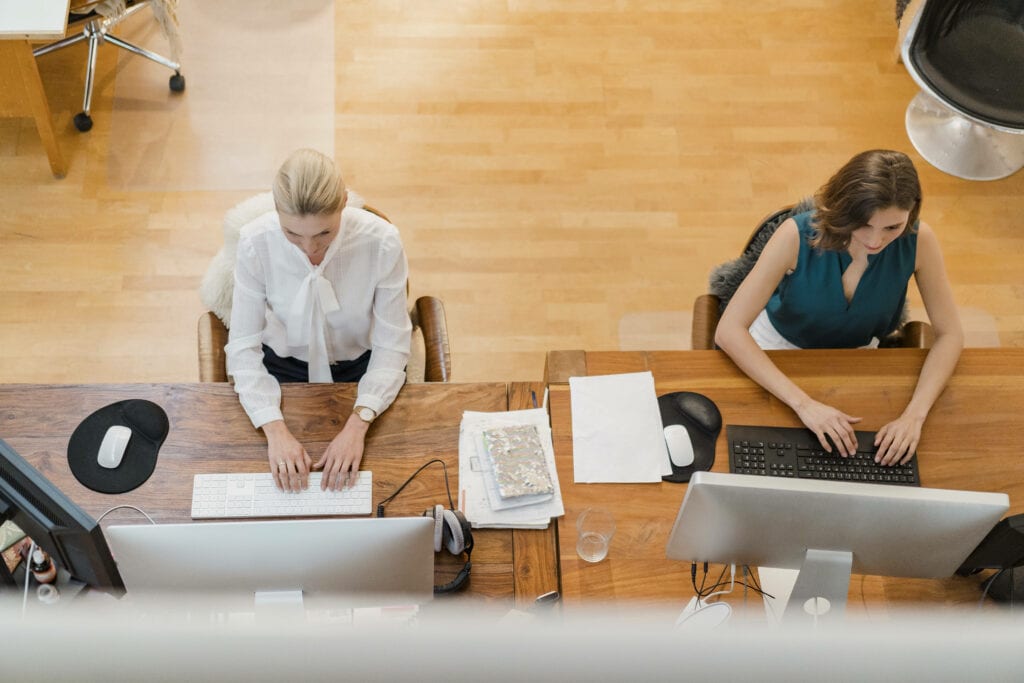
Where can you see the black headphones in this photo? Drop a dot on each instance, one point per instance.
(452, 531)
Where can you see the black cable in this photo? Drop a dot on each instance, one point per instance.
(757, 584)
(704, 581)
(721, 584)
(702, 593)
(703, 590)
(451, 503)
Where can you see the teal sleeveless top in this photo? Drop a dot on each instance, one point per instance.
(809, 308)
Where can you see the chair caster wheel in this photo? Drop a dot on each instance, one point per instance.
(177, 82)
(83, 122)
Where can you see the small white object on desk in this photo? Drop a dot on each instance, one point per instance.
(680, 448)
(115, 441)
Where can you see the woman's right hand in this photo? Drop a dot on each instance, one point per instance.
(824, 420)
(289, 462)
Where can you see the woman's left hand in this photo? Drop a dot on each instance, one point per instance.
(340, 462)
(897, 441)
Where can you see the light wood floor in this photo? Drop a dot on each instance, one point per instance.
(564, 173)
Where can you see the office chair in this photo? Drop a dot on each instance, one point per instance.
(967, 56)
(430, 360)
(99, 18)
(726, 278)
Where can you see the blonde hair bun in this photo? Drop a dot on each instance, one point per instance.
(307, 184)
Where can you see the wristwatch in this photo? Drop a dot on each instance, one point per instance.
(365, 414)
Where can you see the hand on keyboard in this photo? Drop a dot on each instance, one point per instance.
(289, 461)
(340, 462)
(897, 441)
(828, 423)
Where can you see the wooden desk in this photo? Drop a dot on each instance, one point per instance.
(969, 442)
(20, 22)
(210, 433)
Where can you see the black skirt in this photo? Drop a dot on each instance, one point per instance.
(294, 370)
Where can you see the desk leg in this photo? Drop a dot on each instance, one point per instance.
(35, 98)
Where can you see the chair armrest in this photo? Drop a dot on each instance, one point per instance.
(705, 322)
(212, 359)
(430, 318)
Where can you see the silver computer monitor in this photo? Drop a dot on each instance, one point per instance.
(324, 562)
(828, 529)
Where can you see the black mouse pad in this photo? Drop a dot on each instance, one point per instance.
(703, 423)
(149, 425)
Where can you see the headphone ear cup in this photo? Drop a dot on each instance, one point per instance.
(458, 539)
(437, 513)
(454, 539)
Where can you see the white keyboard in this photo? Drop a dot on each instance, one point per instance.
(216, 496)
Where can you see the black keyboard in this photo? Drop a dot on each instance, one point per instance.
(795, 452)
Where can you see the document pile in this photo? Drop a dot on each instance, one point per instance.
(507, 476)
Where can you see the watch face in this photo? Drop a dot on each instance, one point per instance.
(366, 415)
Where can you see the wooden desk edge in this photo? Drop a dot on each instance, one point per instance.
(559, 366)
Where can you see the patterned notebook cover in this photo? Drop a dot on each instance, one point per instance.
(516, 454)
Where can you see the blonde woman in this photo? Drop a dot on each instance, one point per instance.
(836, 277)
(319, 296)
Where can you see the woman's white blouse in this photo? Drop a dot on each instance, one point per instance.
(353, 302)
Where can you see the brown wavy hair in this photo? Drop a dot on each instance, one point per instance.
(872, 180)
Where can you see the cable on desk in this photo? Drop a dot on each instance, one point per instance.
(732, 582)
(131, 507)
(704, 592)
(451, 503)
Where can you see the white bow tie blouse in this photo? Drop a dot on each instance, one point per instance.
(353, 302)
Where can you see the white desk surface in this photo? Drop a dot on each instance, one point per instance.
(33, 19)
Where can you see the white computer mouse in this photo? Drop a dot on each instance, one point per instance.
(680, 449)
(115, 441)
(701, 616)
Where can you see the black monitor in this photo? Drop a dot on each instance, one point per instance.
(72, 538)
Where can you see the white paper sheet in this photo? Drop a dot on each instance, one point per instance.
(617, 435)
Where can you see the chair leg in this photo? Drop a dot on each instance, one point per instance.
(65, 42)
(134, 49)
(90, 69)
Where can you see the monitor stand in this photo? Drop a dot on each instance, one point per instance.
(821, 587)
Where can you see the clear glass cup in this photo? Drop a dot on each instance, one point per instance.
(595, 528)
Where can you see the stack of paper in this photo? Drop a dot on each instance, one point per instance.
(617, 435)
(507, 475)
